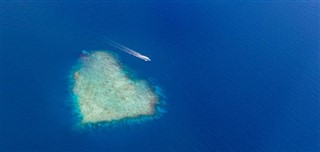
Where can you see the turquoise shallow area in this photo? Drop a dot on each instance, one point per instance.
(83, 62)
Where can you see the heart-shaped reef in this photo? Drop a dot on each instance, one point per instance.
(104, 92)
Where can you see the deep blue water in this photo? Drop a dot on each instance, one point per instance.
(237, 76)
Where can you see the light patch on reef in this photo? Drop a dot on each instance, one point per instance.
(105, 93)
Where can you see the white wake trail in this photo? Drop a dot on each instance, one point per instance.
(128, 50)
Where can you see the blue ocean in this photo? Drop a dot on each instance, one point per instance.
(234, 76)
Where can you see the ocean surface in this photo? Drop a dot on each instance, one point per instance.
(235, 76)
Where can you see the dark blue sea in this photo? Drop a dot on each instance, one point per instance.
(235, 76)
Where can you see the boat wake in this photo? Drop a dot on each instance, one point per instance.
(127, 50)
